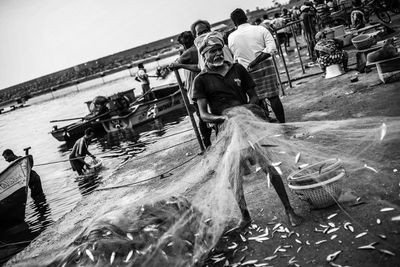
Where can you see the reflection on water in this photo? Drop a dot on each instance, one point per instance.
(39, 214)
(29, 126)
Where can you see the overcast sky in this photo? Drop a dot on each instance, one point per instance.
(38, 37)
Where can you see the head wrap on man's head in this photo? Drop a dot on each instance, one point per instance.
(207, 41)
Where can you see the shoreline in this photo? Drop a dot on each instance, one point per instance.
(311, 99)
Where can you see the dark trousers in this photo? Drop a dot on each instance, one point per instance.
(276, 106)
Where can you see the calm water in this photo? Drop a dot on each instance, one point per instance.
(30, 126)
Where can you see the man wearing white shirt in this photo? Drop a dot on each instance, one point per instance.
(252, 46)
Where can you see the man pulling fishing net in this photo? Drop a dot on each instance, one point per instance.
(221, 86)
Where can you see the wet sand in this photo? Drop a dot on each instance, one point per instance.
(311, 99)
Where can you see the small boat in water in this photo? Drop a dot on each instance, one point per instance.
(13, 104)
(76, 130)
(14, 189)
(144, 112)
(120, 106)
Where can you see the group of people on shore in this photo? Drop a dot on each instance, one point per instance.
(223, 73)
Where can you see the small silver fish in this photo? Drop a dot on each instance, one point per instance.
(333, 237)
(278, 170)
(361, 234)
(128, 257)
(282, 250)
(261, 264)
(207, 221)
(129, 235)
(298, 241)
(276, 164)
(369, 246)
(333, 256)
(297, 158)
(378, 221)
(234, 245)
(320, 242)
(332, 230)
(308, 242)
(276, 250)
(249, 262)
(299, 249)
(382, 236)
(270, 257)
(302, 166)
(268, 181)
(89, 254)
(396, 218)
(276, 226)
(266, 230)
(112, 257)
(387, 252)
(383, 131)
(331, 224)
(243, 238)
(370, 168)
(251, 144)
(292, 260)
(386, 209)
(331, 216)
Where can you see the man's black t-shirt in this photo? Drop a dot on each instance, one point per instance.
(223, 92)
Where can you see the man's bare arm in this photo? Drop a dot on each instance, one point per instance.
(261, 57)
(207, 116)
(191, 67)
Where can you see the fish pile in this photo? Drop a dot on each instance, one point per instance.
(145, 242)
(236, 246)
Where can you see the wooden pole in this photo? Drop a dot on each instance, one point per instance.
(284, 63)
(298, 51)
(277, 73)
(186, 101)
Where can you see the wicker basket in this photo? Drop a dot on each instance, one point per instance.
(315, 173)
(363, 41)
(322, 194)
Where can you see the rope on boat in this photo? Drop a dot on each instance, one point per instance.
(160, 176)
(65, 160)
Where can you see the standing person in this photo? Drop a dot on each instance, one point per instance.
(143, 78)
(323, 14)
(199, 29)
(252, 47)
(79, 152)
(35, 185)
(188, 61)
(308, 22)
(222, 85)
(278, 23)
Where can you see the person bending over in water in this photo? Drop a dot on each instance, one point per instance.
(79, 152)
(221, 85)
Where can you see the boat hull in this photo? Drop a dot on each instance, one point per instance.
(75, 131)
(144, 113)
(13, 191)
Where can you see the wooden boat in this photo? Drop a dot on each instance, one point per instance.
(14, 189)
(12, 104)
(74, 131)
(144, 112)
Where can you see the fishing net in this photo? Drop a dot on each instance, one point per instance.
(179, 224)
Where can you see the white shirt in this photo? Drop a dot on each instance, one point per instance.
(248, 41)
